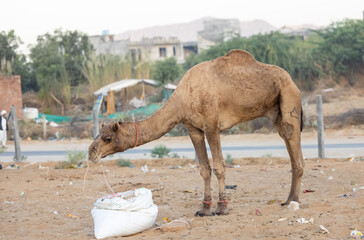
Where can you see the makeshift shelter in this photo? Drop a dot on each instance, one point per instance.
(109, 90)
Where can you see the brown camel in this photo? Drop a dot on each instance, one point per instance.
(211, 97)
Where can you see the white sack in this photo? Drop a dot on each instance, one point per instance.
(123, 214)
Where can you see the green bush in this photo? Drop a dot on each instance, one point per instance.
(123, 163)
(229, 160)
(178, 130)
(74, 160)
(267, 155)
(175, 155)
(160, 151)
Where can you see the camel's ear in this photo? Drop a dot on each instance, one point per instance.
(115, 126)
(102, 125)
(120, 122)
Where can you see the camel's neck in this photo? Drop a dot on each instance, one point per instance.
(159, 123)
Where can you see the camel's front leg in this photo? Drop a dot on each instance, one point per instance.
(219, 170)
(198, 140)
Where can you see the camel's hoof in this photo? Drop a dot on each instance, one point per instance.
(203, 213)
(220, 211)
(288, 202)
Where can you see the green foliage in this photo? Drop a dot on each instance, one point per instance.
(175, 155)
(74, 160)
(166, 71)
(229, 160)
(104, 69)
(9, 43)
(160, 151)
(338, 49)
(341, 49)
(123, 163)
(20, 66)
(178, 130)
(23, 158)
(12, 63)
(267, 155)
(56, 60)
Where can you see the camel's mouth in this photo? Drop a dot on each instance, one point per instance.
(93, 157)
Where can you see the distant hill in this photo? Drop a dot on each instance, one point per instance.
(187, 32)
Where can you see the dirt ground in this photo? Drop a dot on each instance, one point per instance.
(36, 200)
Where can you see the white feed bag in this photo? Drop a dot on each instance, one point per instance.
(123, 214)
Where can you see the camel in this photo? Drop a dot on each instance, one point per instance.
(211, 97)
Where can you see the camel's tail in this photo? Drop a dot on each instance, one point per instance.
(301, 118)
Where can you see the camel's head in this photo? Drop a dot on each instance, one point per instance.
(112, 138)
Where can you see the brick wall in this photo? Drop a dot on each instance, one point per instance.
(10, 94)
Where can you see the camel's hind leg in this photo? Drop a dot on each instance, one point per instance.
(198, 140)
(288, 125)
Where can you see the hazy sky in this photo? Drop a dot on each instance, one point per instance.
(30, 18)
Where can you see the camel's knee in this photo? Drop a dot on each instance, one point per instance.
(287, 130)
(205, 174)
(297, 171)
(219, 172)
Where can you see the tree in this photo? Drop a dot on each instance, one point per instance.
(341, 49)
(72, 47)
(166, 71)
(104, 69)
(57, 60)
(21, 66)
(12, 63)
(9, 43)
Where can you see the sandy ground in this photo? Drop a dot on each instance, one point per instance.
(309, 137)
(35, 201)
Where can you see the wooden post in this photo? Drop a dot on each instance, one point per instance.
(16, 134)
(320, 127)
(306, 115)
(95, 122)
(44, 127)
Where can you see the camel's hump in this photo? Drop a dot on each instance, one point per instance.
(240, 56)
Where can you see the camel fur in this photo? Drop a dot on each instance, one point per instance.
(211, 97)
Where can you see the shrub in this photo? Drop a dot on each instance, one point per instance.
(160, 151)
(74, 160)
(267, 155)
(175, 155)
(178, 130)
(123, 163)
(229, 160)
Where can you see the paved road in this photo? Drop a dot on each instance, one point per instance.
(309, 150)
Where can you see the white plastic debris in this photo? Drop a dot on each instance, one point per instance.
(282, 219)
(331, 177)
(293, 205)
(324, 230)
(53, 124)
(145, 168)
(41, 167)
(355, 189)
(304, 221)
(123, 214)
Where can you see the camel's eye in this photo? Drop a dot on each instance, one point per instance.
(107, 139)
